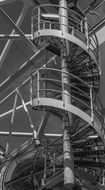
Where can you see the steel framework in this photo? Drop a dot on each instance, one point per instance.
(63, 76)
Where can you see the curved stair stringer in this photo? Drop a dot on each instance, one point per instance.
(69, 37)
(10, 166)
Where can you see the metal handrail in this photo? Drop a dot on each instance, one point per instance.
(77, 20)
(89, 102)
(70, 74)
(58, 81)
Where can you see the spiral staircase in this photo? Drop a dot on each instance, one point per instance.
(70, 94)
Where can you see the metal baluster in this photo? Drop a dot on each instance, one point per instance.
(38, 18)
(91, 103)
(38, 85)
(87, 33)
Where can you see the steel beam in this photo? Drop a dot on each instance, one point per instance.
(14, 36)
(17, 29)
(26, 5)
(18, 24)
(11, 125)
(23, 73)
(42, 124)
(5, 133)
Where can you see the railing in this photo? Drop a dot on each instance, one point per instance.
(47, 83)
(53, 163)
(48, 16)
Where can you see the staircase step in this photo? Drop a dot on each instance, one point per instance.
(87, 143)
(80, 58)
(81, 133)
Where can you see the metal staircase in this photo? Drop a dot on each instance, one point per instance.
(66, 88)
(80, 51)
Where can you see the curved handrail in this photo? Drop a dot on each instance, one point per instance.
(78, 24)
(86, 99)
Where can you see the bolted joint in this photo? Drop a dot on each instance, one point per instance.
(37, 142)
(66, 122)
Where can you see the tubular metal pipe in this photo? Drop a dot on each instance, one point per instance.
(11, 125)
(5, 133)
(68, 161)
(67, 152)
(42, 124)
(14, 36)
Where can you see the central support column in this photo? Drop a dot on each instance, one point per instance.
(67, 151)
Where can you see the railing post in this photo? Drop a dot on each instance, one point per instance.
(54, 162)
(87, 33)
(72, 31)
(91, 103)
(44, 25)
(31, 91)
(45, 169)
(32, 27)
(81, 25)
(38, 18)
(62, 89)
(38, 84)
(50, 25)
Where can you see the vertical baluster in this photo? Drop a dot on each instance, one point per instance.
(91, 102)
(54, 162)
(38, 18)
(44, 26)
(50, 25)
(87, 33)
(45, 166)
(62, 88)
(32, 27)
(81, 25)
(38, 84)
(31, 91)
